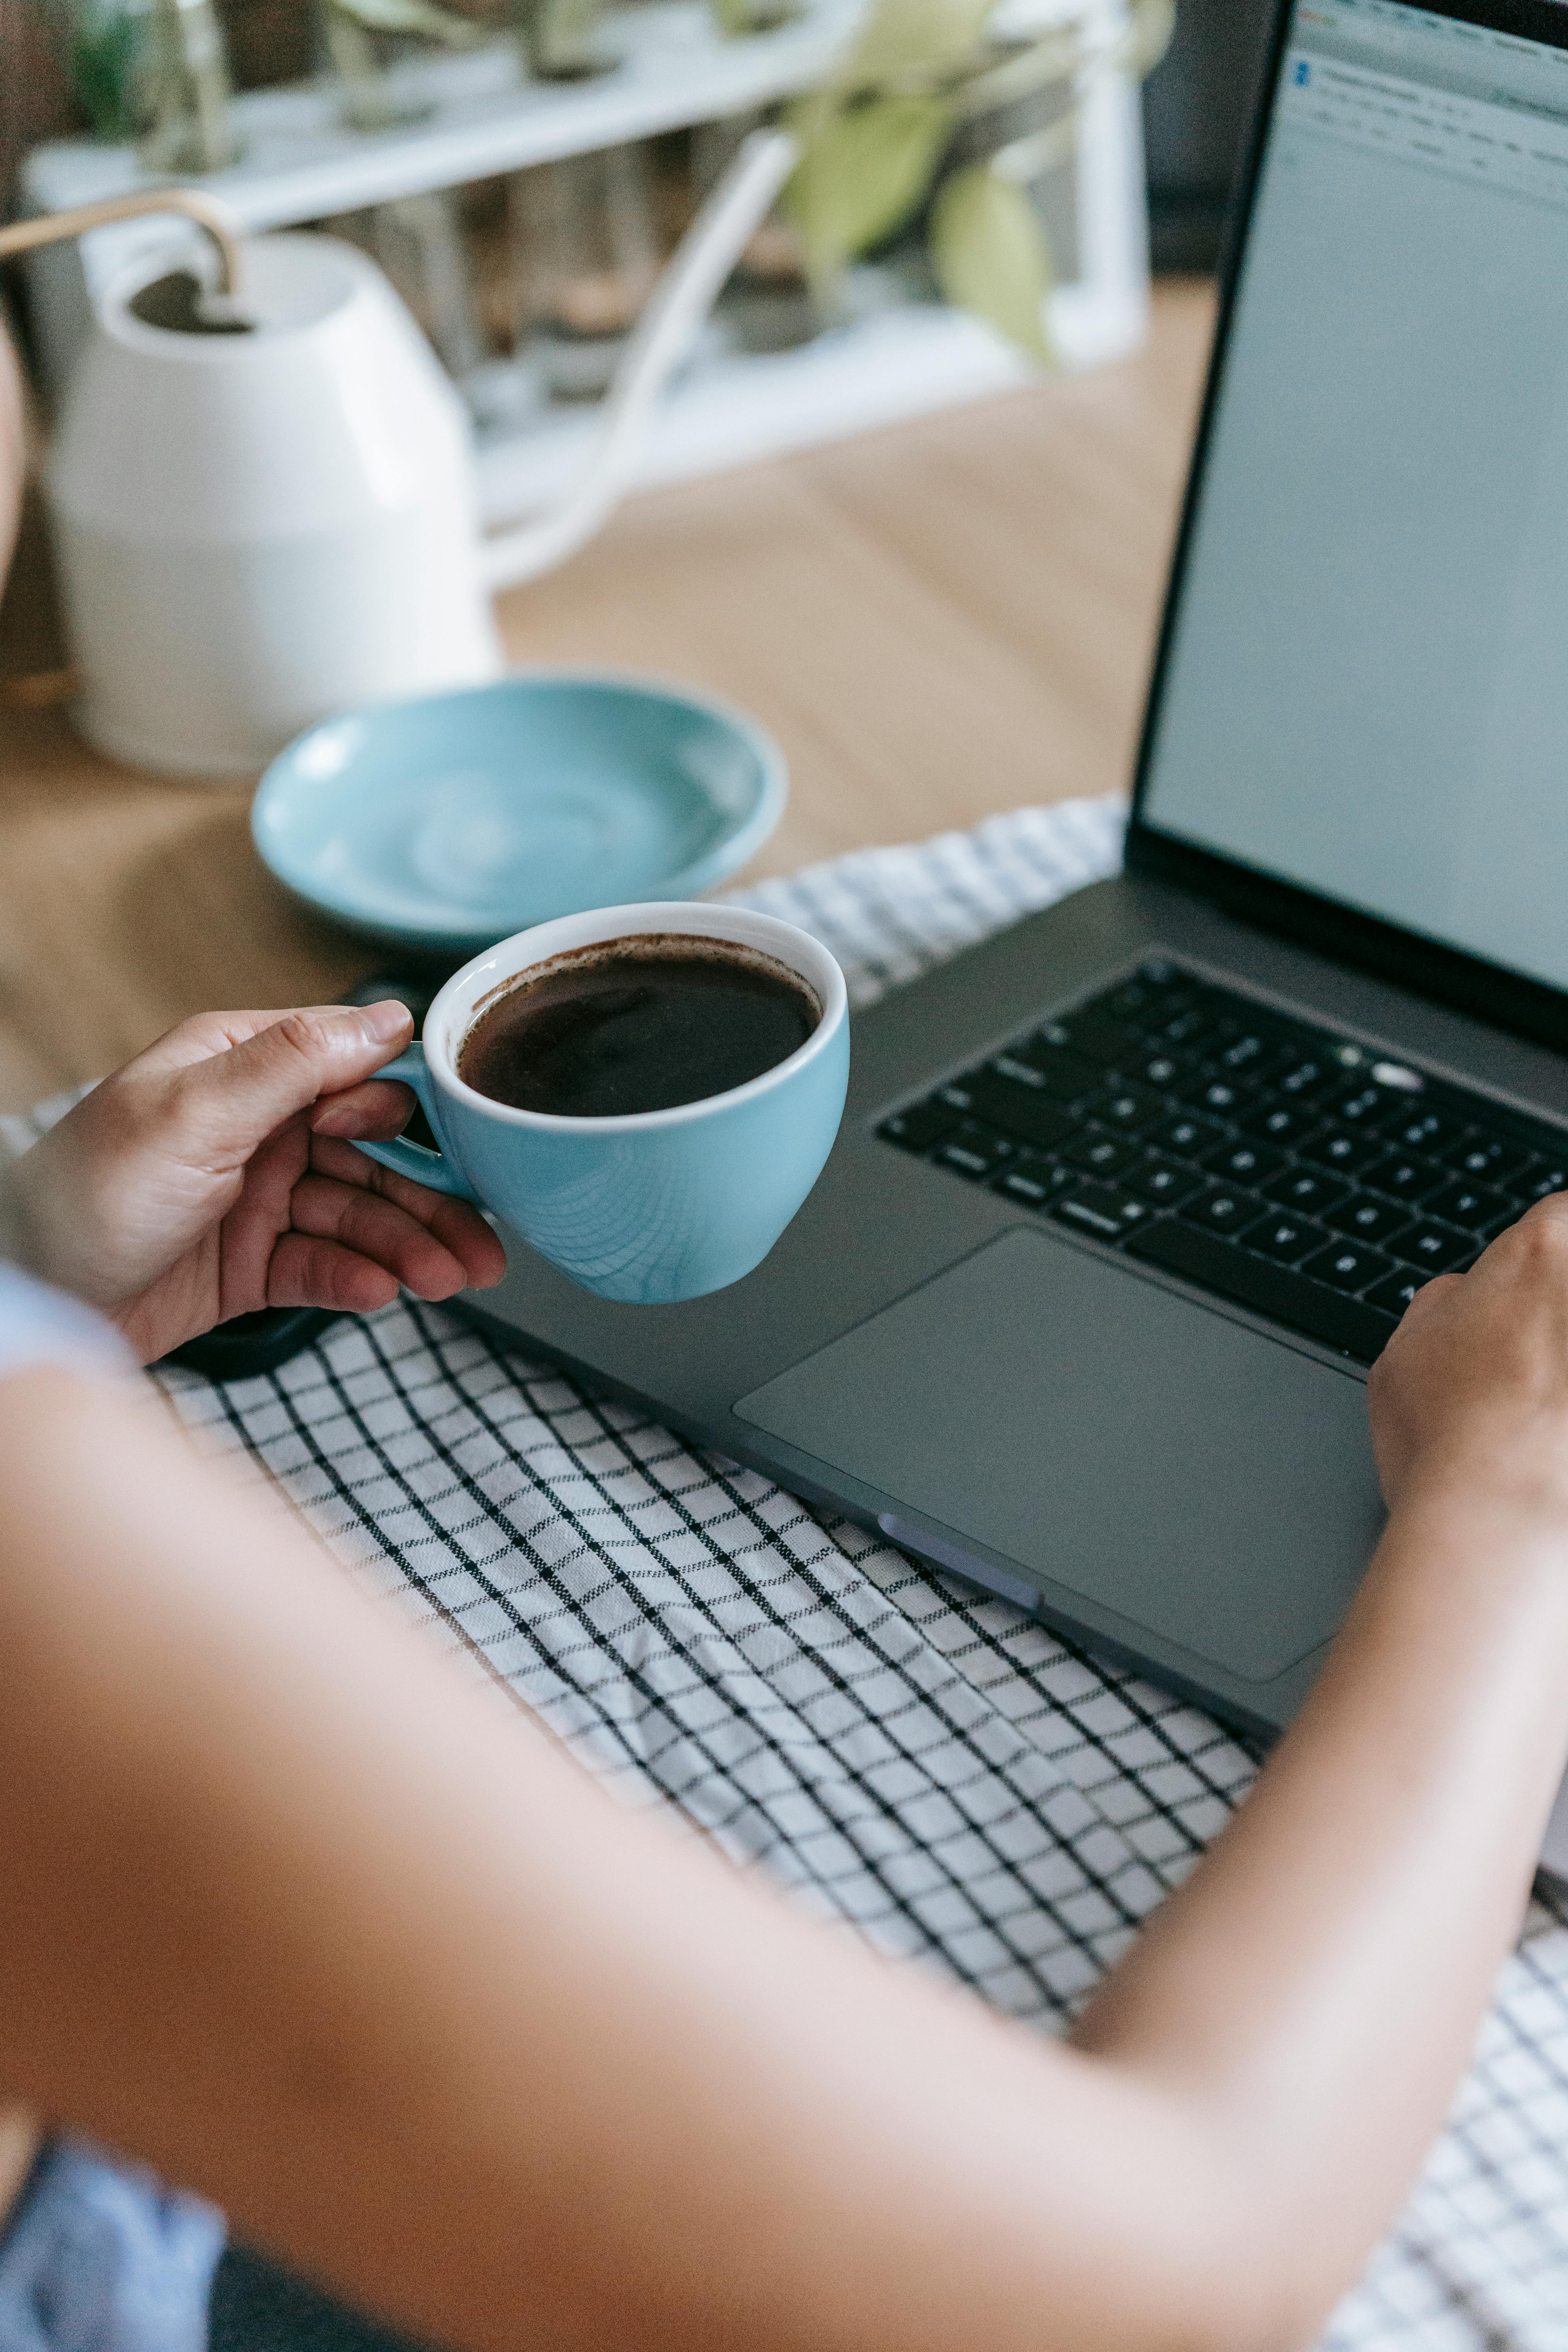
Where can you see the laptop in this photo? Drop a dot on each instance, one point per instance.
(1127, 1198)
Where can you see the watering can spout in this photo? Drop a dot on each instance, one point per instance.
(718, 235)
(722, 227)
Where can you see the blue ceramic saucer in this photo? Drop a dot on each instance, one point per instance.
(448, 822)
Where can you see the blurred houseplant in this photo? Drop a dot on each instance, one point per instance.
(417, 240)
(559, 38)
(156, 71)
(363, 38)
(950, 115)
(585, 233)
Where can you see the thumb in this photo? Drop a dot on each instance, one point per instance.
(235, 1098)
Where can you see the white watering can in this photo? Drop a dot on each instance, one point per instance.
(266, 511)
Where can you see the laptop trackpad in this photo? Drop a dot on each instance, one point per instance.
(1210, 1485)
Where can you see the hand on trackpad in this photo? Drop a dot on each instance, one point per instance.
(1210, 1486)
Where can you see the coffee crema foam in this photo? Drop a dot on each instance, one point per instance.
(646, 1022)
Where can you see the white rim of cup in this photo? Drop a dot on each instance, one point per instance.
(618, 925)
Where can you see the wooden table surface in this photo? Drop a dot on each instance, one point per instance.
(937, 622)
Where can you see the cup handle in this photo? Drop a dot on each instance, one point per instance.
(432, 1169)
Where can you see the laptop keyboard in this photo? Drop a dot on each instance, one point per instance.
(1296, 1172)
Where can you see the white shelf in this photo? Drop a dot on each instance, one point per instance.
(733, 407)
(668, 67)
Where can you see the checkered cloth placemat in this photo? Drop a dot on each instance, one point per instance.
(931, 1765)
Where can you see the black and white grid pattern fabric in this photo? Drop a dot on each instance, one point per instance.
(931, 1765)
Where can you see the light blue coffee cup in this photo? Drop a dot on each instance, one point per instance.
(658, 1205)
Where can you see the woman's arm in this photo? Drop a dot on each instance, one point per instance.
(19, 2141)
(1323, 1974)
(327, 1933)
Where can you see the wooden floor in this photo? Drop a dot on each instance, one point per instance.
(937, 622)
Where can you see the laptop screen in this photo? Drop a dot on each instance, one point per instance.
(1366, 680)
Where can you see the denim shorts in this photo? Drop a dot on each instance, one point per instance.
(98, 2256)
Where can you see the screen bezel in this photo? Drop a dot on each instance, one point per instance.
(1525, 1007)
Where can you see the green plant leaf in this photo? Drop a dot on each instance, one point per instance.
(733, 17)
(901, 39)
(989, 251)
(865, 168)
(417, 16)
(103, 68)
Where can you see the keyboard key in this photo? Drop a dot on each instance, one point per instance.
(1095, 1035)
(1099, 1154)
(1273, 1121)
(1243, 1163)
(1166, 1071)
(1207, 1022)
(1429, 1130)
(973, 1152)
(1224, 1027)
(1022, 1074)
(1364, 1105)
(1283, 1237)
(1349, 1266)
(1396, 1291)
(1133, 1001)
(1436, 1247)
(1291, 1060)
(1188, 1134)
(1405, 1176)
(1026, 1112)
(1062, 1072)
(1191, 1024)
(1342, 1147)
(1551, 1158)
(1032, 1181)
(1210, 1264)
(1163, 1183)
(1539, 1181)
(1223, 1208)
(921, 1125)
(1101, 1209)
(1307, 1077)
(1550, 1143)
(1475, 1205)
(1155, 986)
(1132, 1110)
(1364, 1218)
(1219, 1097)
(1248, 1054)
(1493, 1158)
(1307, 1188)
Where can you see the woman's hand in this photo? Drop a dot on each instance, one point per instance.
(1471, 1394)
(211, 1176)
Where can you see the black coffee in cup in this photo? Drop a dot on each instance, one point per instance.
(636, 1025)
